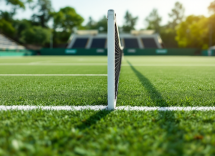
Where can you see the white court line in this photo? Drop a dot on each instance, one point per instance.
(53, 64)
(101, 107)
(175, 65)
(53, 74)
(101, 64)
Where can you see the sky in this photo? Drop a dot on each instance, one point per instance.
(140, 8)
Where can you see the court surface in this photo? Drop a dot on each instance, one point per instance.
(81, 81)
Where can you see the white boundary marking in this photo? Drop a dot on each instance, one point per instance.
(53, 64)
(101, 107)
(175, 65)
(53, 75)
(102, 64)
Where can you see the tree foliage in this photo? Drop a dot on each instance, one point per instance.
(36, 35)
(177, 15)
(211, 30)
(67, 19)
(168, 37)
(129, 22)
(100, 25)
(211, 7)
(16, 4)
(8, 16)
(20, 26)
(44, 8)
(168, 32)
(7, 28)
(91, 24)
(154, 21)
(193, 32)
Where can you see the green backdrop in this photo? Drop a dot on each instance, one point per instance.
(17, 53)
(103, 52)
(59, 51)
(126, 51)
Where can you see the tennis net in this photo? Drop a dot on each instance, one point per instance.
(115, 52)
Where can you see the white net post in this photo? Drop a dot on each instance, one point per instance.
(111, 60)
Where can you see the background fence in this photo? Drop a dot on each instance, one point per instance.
(17, 52)
(103, 52)
(73, 51)
(162, 52)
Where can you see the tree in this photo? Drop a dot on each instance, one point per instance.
(211, 7)
(7, 28)
(168, 37)
(154, 21)
(18, 3)
(211, 26)
(168, 32)
(44, 12)
(177, 15)
(100, 25)
(21, 25)
(91, 24)
(8, 16)
(65, 20)
(193, 32)
(129, 22)
(36, 35)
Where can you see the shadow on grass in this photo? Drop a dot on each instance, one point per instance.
(92, 120)
(166, 120)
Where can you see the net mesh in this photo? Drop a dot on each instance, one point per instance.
(118, 60)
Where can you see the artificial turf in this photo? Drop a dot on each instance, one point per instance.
(167, 86)
(144, 81)
(53, 91)
(107, 133)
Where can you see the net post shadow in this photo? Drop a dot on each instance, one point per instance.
(93, 119)
(166, 120)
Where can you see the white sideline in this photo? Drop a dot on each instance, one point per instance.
(101, 107)
(53, 74)
(53, 64)
(175, 65)
(103, 64)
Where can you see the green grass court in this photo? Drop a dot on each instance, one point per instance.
(144, 81)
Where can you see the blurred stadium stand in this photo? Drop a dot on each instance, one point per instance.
(131, 43)
(149, 42)
(211, 51)
(88, 39)
(7, 44)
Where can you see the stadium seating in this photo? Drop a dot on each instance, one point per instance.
(131, 43)
(98, 43)
(7, 44)
(135, 40)
(149, 43)
(80, 43)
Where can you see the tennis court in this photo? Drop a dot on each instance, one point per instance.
(80, 81)
(144, 81)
